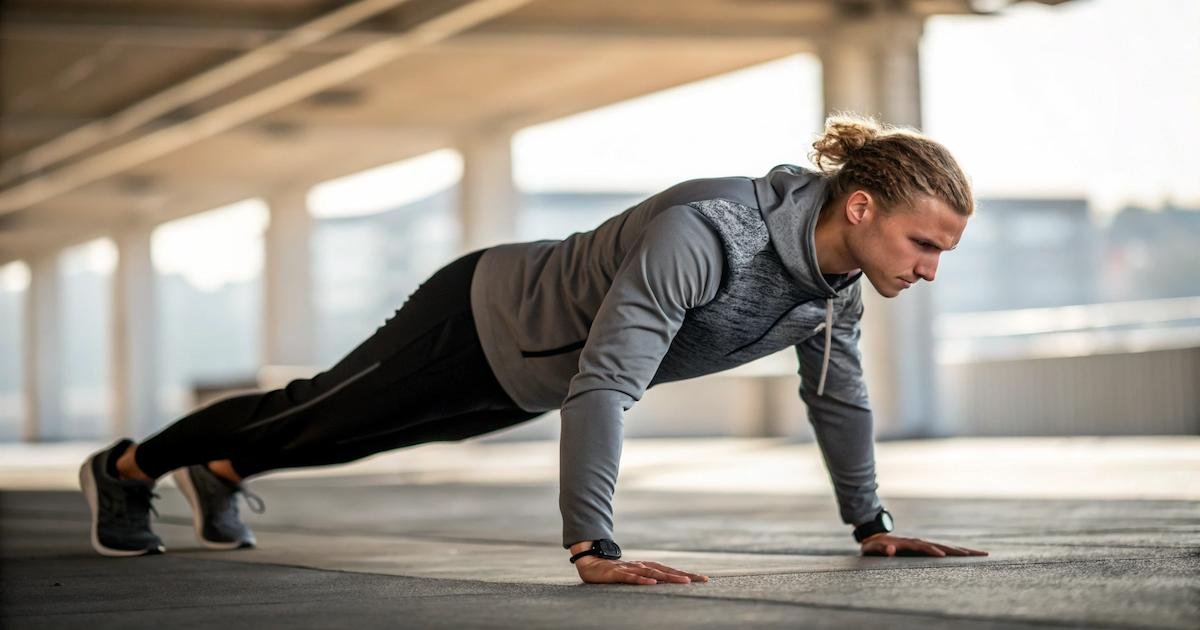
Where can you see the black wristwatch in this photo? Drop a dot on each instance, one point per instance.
(605, 548)
(882, 523)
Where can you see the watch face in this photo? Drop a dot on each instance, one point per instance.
(609, 548)
(885, 519)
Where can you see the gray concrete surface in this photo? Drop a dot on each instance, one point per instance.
(389, 543)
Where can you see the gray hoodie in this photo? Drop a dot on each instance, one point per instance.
(703, 276)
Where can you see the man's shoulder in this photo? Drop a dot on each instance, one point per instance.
(736, 189)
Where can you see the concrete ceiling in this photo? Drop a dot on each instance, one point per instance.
(148, 110)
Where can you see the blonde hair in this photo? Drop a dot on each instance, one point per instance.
(897, 164)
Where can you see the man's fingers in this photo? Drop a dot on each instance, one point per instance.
(657, 574)
(895, 545)
(922, 547)
(692, 576)
(634, 572)
(951, 550)
(633, 578)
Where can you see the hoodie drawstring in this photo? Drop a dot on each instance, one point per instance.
(828, 340)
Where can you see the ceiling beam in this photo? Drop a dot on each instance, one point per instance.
(96, 210)
(172, 138)
(190, 90)
(13, 124)
(223, 33)
(542, 38)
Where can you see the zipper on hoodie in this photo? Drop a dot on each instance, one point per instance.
(554, 351)
(769, 328)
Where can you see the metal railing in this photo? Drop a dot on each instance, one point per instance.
(1093, 369)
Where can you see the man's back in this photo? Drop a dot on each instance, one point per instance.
(535, 302)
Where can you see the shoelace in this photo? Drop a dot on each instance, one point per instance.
(141, 496)
(253, 501)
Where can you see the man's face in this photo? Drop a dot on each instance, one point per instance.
(904, 245)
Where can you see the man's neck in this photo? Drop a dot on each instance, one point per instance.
(832, 256)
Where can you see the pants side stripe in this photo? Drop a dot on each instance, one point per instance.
(312, 402)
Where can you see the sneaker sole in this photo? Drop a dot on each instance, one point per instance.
(183, 479)
(87, 482)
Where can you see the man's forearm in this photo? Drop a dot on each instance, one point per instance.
(845, 436)
(589, 460)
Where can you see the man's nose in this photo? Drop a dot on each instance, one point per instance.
(927, 269)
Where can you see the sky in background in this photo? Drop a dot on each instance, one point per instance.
(1093, 98)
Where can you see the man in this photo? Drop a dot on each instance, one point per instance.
(703, 276)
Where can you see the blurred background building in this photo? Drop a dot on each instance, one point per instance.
(199, 197)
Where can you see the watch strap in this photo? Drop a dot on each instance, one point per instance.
(882, 523)
(586, 552)
(604, 548)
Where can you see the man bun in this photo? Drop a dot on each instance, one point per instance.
(896, 165)
(845, 134)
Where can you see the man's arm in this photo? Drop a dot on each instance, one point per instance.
(842, 420)
(841, 416)
(674, 265)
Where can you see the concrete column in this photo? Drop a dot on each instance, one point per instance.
(43, 350)
(288, 324)
(870, 66)
(488, 199)
(134, 334)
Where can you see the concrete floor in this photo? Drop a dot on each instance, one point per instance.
(1082, 532)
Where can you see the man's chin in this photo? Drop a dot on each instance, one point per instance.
(887, 292)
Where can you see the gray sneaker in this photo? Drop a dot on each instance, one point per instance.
(120, 507)
(215, 507)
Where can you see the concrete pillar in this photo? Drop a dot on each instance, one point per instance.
(135, 366)
(488, 197)
(43, 350)
(870, 66)
(288, 324)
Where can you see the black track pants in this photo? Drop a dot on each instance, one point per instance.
(422, 377)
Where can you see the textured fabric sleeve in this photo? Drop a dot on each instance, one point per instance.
(675, 264)
(841, 417)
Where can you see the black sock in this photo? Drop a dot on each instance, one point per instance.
(114, 454)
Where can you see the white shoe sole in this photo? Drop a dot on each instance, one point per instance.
(87, 483)
(183, 479)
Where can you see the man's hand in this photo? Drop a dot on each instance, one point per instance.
(595, 570)
(883, 544)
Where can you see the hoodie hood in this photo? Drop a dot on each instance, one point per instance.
(790, 198)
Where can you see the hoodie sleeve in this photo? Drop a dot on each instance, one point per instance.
(674, 265)
(841, 414)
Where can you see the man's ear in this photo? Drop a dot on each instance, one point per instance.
(858, 206)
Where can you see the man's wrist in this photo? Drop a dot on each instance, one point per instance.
(593, 551)
(584, 561)
(881, 523)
